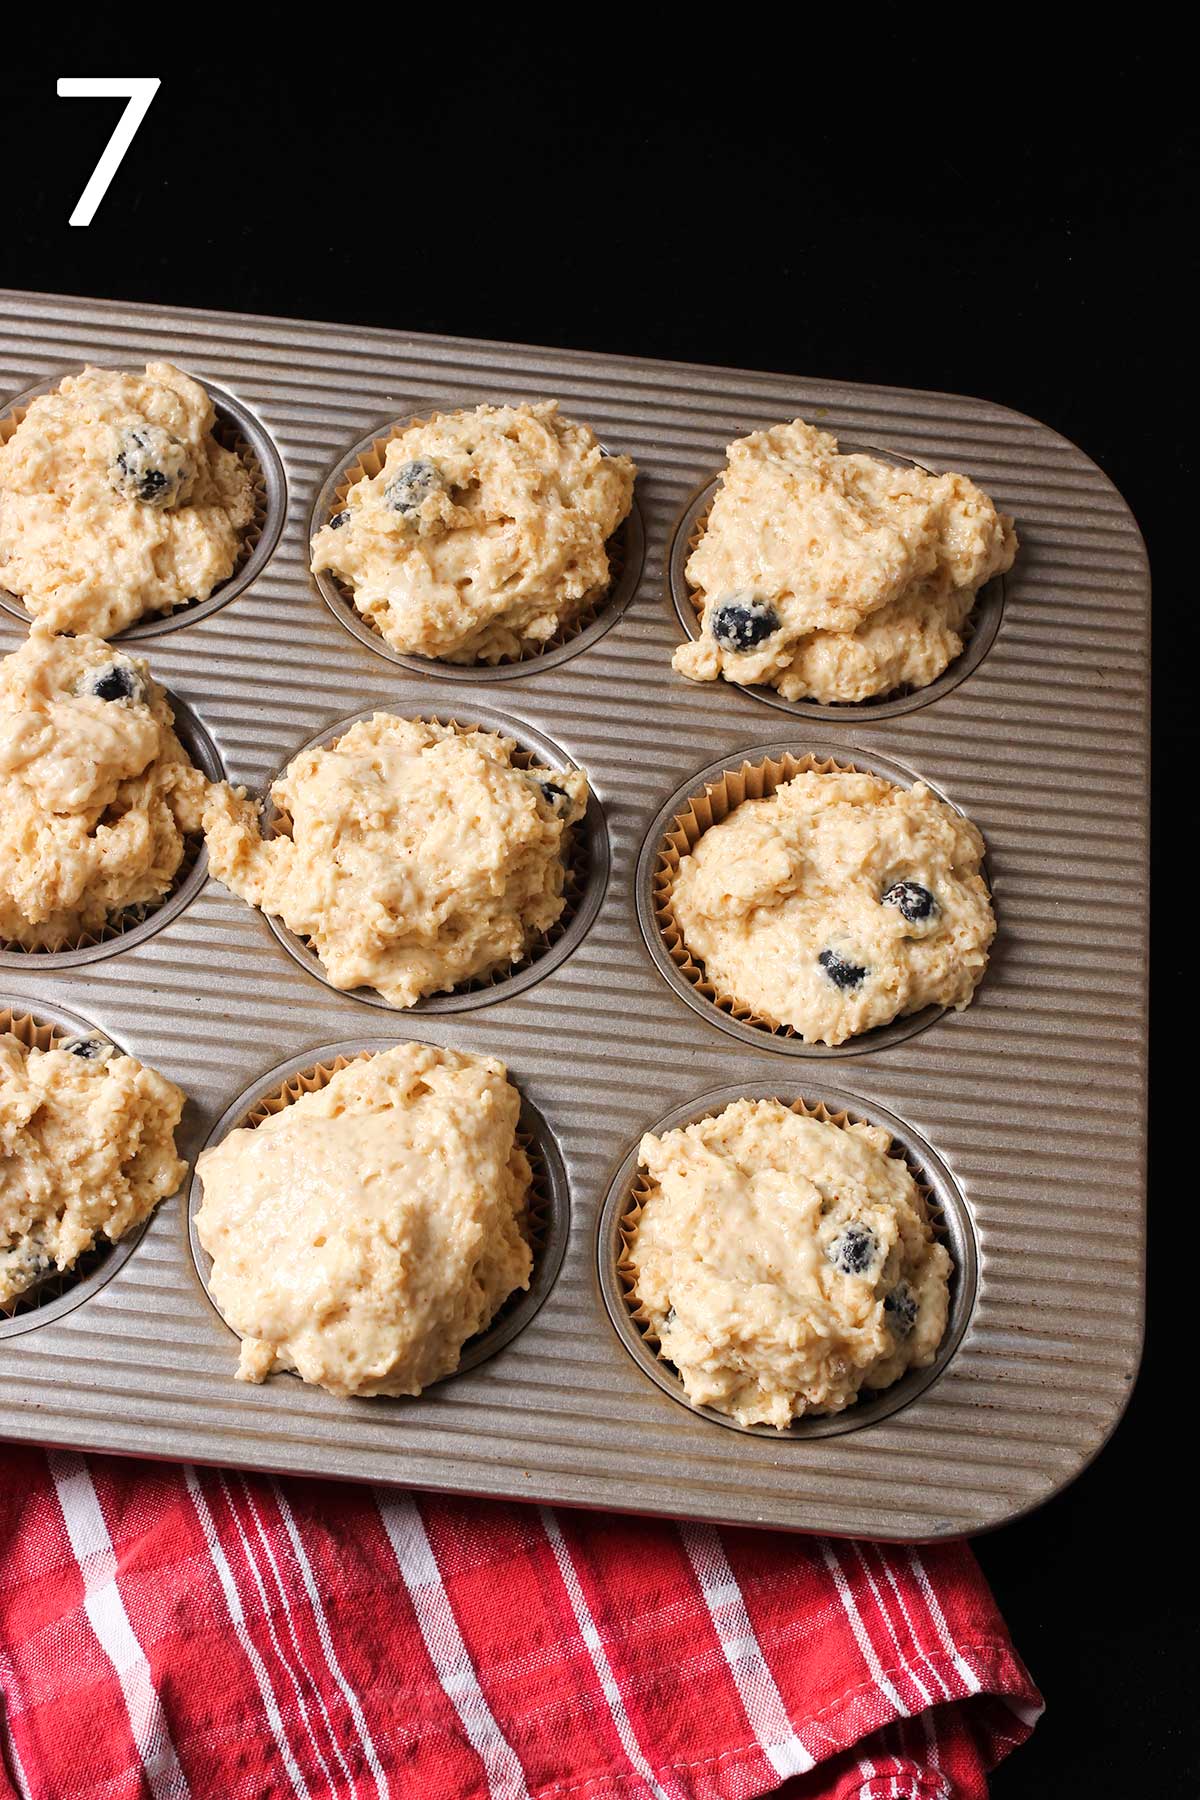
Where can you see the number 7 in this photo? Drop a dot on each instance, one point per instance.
(140, 90)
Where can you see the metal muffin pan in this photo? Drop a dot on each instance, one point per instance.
(1032, 1100)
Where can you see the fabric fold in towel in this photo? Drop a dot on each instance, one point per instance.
(174, 1632)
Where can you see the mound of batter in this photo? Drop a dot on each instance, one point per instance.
(785, 1263)
(96, 791)
(418, 855)
(837, 904)
(835, 577)
(87, 1150)
(364, 1233)
(483, 533)
(116, 500)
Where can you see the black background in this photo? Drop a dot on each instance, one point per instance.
(857, 207)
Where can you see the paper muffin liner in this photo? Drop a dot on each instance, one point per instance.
(895, 698)
(368, 464)
(229, 434)
(719, 798)
(642, 1187)
(541, 1224)
(581, 876)
(185, 883)
(36, 1031)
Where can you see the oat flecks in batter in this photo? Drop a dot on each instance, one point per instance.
(96, 791)
(786, 1263)
(418, 855)
(835, 578)
(361, 1235)
(116, 500)
(790, 905)
(483, 534)
(87, 1150)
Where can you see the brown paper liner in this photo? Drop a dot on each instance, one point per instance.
(575, 859)
(369, 464)
(36, 1034)
(534, 1222)
(966, 630)
(642, 1187)
(229, 437)
(753, 781)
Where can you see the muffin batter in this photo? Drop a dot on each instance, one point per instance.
(87, 1150)
(483, 534)
(96, 791)
(838, 903)
(361, 1235)
(417, 858)
(116, 500)
(835, 577)
(785, 1263)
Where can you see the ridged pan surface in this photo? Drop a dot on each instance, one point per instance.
(1032, 1099)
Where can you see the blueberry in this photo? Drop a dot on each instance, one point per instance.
(914, 901)
(150, 466)
(340, 519)
(843, 974)
(117, 682)
(742, 622)
(854, 1251)
(901, 1309)
(412, 483)
(87, 1049)
(554, 796)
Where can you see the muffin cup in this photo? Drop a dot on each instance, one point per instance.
(586, 866)
(626, 552)
(137, 923)
(42, 1028)
(236, 429)
(702, 802)
(545, 1227)
(978, 632)
(949, 1216)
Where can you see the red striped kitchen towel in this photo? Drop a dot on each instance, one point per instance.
(169, 1632)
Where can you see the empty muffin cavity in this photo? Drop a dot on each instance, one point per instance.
(545, 1224)
(949, 1219)
(364, 461)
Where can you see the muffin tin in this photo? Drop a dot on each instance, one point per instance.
(1024, 1114)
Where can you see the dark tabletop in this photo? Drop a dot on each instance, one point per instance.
(944, 221)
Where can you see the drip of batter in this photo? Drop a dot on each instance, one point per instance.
(483, 534)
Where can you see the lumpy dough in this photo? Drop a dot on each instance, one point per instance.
(96, 794)
(838, 903)
(834, 578)
(483, 534)
(116, 500)
(87, 1150)
(418, 855)
(361, 1235)
(785, 1263)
